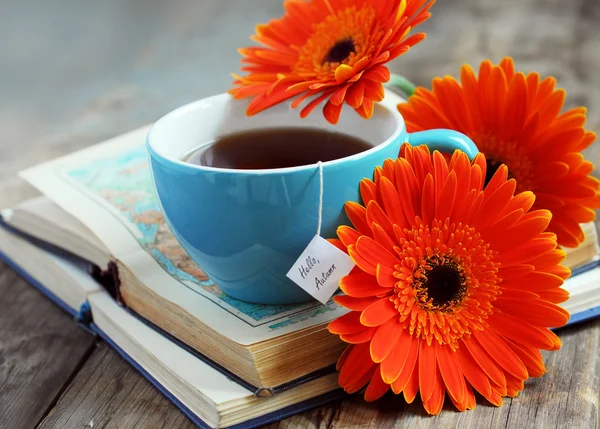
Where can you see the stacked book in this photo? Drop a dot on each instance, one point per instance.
(97, 244)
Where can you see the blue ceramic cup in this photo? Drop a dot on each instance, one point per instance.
(246, 228)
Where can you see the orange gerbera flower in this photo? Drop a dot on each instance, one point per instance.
(334, 50)
(455, 286)
(515, 120)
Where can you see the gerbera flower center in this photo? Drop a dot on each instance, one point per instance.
(440, 284)
(340, 51)
(446, 281)
(341, 38)
(498, 152)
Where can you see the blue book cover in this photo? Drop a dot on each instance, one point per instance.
(83, 316)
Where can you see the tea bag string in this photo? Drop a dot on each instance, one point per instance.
(320, 167)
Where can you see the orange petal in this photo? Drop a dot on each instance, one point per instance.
(473, 372)
(559, 271)
(427, 370)
(539, 313)
(338, 96)
(534, 363)
(524, 201)
(409, 369)
(385, 276)
(375, 253)
(440, 172)
(494, 233)
(513, 385)
(368, 192)
(428, 200)
(374, 91)
(358, 216)
(332, 112)
(378, 313)
(527, 252)
(412, 386)
(518, 294)
(451, 372)
(313, 104)
(555, 296)
(549, 259)
(360, 382)
(435, 402)
(389, 170)
(355, 95)
(385, 339)
(366, 108)
(392, 365)
(478, 170)
(355, 304)
(343, 358)
(378, 74)
(469, 401)
(522, 233)
(484, 361)
(501, 353)
(515, 271)
(356, 365)
(377, 388)
(535, 281)
(377, 215)
(383, 238)
(491, 209)
(343, 72)
(347, 324)
(445, 202)
(519, 331)
(337, 243)
(347, 235)
(361, 262)
(359, 284)
(359, 337)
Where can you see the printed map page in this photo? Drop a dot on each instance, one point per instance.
(125, 183)
(109, 188)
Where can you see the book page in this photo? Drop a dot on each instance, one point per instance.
(49, 270)
(124, 329)
(189, 379)
(584, 290)
(109, 188)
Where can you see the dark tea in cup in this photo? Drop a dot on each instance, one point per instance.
(270, 148)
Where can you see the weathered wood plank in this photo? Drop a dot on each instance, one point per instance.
(318, 418)
(108, 390)
(111, 78)
(109, 393)
(565, 397)
(41, 348)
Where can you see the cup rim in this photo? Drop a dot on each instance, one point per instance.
(390, 101)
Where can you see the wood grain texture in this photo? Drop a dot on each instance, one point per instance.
(109, 393)
(565, 397)
(41, 348)
(75, 73)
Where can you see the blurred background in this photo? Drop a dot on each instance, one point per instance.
(74, 72)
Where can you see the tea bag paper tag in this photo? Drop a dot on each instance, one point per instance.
(319, 269)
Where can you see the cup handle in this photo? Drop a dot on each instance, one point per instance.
(444, 141)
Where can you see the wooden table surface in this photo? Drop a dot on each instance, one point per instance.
(73, 73)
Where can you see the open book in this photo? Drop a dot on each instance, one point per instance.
(104, 209)
(206, 395)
